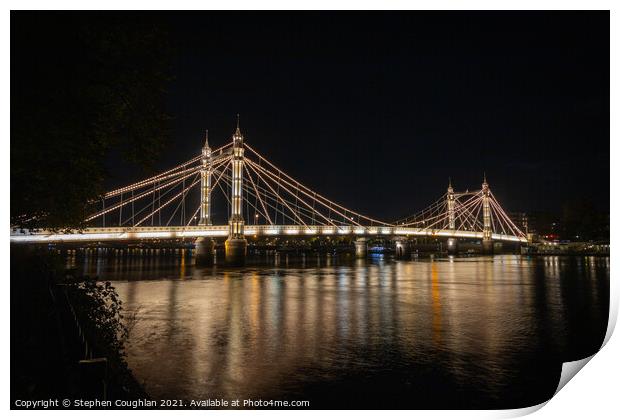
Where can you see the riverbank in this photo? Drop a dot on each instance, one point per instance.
(56, 353)
(575, 249)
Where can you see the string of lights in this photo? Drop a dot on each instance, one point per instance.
(311, 193)
(269, 195)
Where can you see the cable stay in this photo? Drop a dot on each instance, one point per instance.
(271, 197)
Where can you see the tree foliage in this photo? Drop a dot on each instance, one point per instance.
(82, 86)
(99, 310)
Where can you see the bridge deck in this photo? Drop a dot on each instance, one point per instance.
(172, 232)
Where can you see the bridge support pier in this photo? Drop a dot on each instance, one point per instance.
(205, 251)
(403, 249)
(487, 246)
(452, 246)
(361, 248)
(236, 249)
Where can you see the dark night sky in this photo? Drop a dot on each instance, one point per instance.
(377, 110)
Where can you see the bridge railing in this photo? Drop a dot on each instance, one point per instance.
(181, 232)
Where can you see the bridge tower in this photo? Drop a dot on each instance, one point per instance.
(205, 184)
(450, 202)
(450, 199)
(205, 246)
(236, 244)
(487, 241)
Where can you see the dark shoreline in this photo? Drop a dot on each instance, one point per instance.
(50, 355)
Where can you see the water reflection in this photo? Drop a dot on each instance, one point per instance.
(475, 332)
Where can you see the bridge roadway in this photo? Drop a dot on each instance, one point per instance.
(112, 234)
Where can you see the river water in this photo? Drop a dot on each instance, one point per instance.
(477, 332)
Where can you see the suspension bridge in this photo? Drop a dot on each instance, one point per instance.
(262, 200)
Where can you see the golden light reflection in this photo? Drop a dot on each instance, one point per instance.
(256, 331)
(255, 298)
(436, 303)
(182, 268)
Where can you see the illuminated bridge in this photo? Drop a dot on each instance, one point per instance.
(261, 200)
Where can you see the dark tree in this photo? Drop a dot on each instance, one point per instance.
(83, 85)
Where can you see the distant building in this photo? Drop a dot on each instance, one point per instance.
(523, 220)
